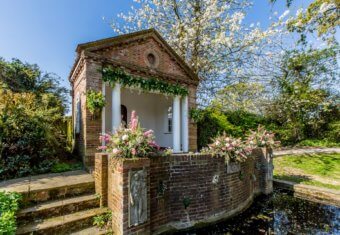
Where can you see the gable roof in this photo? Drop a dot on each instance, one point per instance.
(107, 42)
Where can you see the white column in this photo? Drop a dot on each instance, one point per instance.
(103, 111)
(185, 125)
(176, 125)
(116, 115)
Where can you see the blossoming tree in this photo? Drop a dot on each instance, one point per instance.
(209, 34)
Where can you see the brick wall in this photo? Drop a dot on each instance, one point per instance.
(203, 183)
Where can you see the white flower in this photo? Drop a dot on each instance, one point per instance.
(115, 151)
(125, 137)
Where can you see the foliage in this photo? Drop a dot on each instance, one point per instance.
(186, 202)
(63, 166)
(31, 121)
(131, 142)
(211, 122)
(95, 101)
(22, 77)
(302, 107)
(262, 138)
(230, 148)
(103, 221)
(242, 96)
(322, 169)
(9, 205)
(152, 84)
(318, 143)
(210, 35)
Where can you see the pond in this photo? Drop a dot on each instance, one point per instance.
(279, 213)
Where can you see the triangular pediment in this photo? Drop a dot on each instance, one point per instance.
(146, 49)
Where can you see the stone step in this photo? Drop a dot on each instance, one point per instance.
(46, 187)
(90, 231)
(57, 208)
(63, 224)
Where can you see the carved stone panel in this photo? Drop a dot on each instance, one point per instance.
(137, 197)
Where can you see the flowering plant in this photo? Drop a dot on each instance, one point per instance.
(130, 142)
(262, 138)
(232, 149)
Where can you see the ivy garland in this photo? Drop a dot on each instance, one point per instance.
(152, 84)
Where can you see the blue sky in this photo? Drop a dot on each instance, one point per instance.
(46, 32)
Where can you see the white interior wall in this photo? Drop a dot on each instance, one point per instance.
(150, 108)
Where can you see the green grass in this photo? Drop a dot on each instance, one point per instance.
(63, 166)
(300, 168)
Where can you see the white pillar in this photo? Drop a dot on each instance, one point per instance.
(176, 133)
(103, 112)
(116, 115)
(185, 125)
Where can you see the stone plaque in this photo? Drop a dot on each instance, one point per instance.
(137, 197)
(233, 167)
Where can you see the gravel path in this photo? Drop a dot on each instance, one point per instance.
(305, 151)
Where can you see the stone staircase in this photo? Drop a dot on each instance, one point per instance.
(63, 203)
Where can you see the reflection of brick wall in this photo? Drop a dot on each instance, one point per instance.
(200, 181)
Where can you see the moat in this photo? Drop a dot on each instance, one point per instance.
(279, 213)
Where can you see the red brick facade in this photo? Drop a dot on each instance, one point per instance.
(203, 183)
(127, 52)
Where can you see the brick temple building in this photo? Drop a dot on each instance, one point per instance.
(144, 54)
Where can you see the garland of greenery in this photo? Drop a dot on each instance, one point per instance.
(152, 84)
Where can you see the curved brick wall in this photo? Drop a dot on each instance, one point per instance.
(212, 190)
(204, 181)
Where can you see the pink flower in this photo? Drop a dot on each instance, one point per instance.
(105, 137)
(148, 133)
(133, 151)
(154, 145)
(103, 147)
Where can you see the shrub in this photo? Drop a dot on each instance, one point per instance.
(333, 132)
(9, 205)
(63, 166)
(211, 123)
(32, 133)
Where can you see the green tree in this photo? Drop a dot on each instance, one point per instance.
(304, 99)
(32, 105)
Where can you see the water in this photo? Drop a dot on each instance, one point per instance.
(279, 213)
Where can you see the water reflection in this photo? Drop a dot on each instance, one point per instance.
(280, 213)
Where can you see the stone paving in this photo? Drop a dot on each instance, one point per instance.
(46, 181)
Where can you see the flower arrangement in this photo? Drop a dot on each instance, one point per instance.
(233, 149)
(131, 142)
(262, 138)
(95, 101)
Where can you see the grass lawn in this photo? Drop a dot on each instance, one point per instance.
(322, 170)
